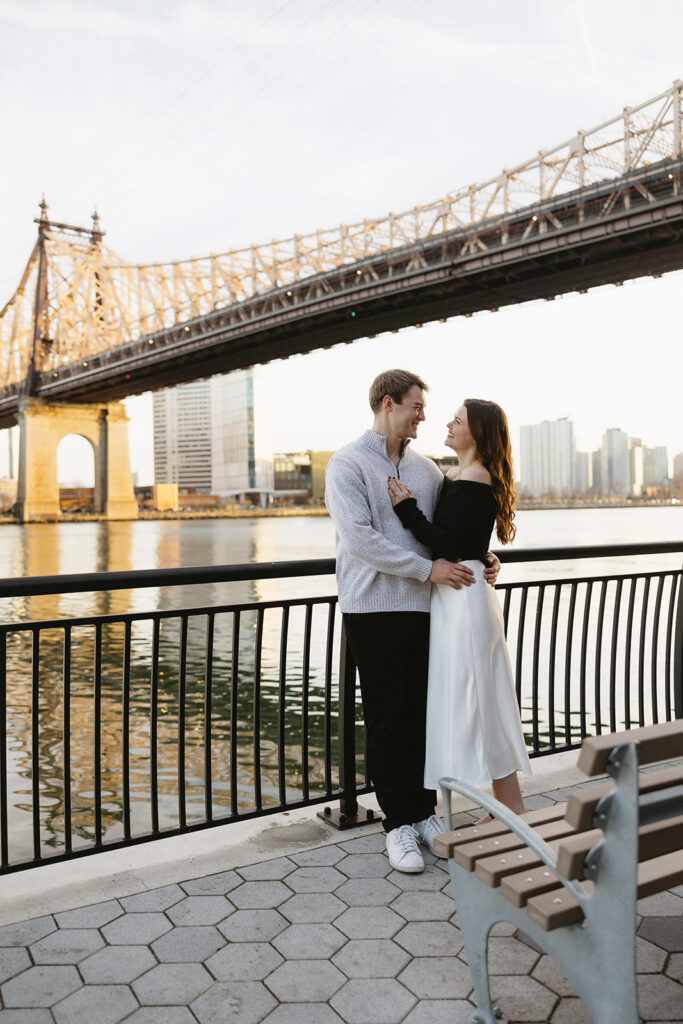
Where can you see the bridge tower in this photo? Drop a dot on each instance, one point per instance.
(42, 424)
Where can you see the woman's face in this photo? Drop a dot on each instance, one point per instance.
(458, 437)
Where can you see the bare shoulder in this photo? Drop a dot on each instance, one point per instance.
(478, 474)
(453, 473)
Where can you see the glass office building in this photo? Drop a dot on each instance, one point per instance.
(214, 436)
(616, 478)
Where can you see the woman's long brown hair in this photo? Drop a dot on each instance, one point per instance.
(489, 428)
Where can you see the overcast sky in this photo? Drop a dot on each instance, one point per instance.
(196, 127)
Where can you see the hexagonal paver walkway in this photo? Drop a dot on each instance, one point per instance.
(319, 936)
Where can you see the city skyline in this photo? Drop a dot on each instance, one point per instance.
(439, 452)
(551, 463)
(290, 82)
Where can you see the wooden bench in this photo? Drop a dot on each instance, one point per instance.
(569, 876)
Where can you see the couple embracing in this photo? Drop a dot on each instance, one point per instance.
(415, 581)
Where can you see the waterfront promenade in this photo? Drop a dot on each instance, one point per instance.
(284, 920)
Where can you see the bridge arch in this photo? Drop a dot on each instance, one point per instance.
(76, 457)
(43, 426)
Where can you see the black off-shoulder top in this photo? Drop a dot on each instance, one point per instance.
(464, 518)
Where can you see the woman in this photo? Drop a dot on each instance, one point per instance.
(473, 729)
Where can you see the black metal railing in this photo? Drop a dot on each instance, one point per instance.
(120, 728)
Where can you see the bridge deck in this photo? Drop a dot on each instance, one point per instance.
(288, 923)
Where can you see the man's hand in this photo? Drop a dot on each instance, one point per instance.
(491, 569)
(452, 574)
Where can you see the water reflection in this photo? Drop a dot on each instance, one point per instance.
(223, 727)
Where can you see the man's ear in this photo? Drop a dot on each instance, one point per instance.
(388, 403)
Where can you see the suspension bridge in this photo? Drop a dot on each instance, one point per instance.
(84, 326)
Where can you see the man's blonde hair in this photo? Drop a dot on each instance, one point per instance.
(395, 383)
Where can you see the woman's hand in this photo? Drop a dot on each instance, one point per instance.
(397, 492)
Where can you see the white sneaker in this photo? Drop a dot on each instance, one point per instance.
(402, 850)
(429, 828)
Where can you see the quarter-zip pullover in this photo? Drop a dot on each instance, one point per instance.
(381, 567)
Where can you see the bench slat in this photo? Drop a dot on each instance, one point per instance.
(662, 804)
(445, 843)
(467, 855)
(521, 886)
(582, 803)
(492, 869)
(660, 873)
(554, 909)
(653, 841)
(654, 876)
(655, 743)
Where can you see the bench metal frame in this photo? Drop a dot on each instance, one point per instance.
(598, 955)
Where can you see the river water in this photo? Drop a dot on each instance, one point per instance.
(59, 548)
(52, 549)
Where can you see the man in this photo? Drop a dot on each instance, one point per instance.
(384, 578)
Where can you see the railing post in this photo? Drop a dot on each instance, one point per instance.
(348, 805)
(350, 813)
(678, 653)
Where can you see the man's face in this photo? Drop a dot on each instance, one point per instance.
(405, 417)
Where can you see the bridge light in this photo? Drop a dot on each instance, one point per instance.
(289, 293)
(187, 328)
(443, 319)
(468, 315)
(151, 341)
(418, 325)
(359, 272)
(55, 375)
(671, 177)
(85, 364)
(352, 313)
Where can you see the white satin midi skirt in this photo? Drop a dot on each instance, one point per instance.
(474, 733)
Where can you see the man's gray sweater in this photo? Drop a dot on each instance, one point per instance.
(381, 566)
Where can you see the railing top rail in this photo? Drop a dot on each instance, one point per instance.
(75, 583)
(589, 551)
(192, 611)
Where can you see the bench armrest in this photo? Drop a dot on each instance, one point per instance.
(515, 824)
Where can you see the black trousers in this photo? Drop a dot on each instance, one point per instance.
(391, 650)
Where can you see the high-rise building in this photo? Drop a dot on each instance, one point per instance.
(583, 472)
(615, 462)
(636, 465)
(596, 470)
(182, 436)
(213, 436)
(678, 468)
(548, 457)
(656, 467)
(242, 448)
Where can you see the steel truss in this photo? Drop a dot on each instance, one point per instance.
(77, 300)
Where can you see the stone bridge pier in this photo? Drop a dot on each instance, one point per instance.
(42, 426)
